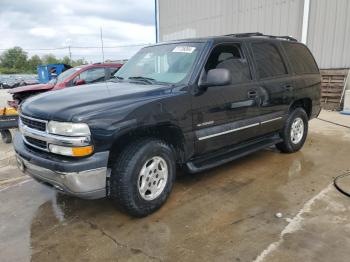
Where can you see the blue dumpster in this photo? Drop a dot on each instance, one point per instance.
(50, 71)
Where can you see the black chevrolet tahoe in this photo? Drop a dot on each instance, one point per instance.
(192, 104)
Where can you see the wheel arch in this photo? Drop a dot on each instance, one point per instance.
(168, 133)
(305, 103)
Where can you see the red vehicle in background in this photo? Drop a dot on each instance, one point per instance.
(76, 76)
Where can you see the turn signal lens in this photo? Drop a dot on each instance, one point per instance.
(82, 151)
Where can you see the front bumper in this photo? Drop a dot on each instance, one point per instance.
(84, 177)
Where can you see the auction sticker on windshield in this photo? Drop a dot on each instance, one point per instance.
(184, 49)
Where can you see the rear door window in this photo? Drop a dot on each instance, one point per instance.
(300, 58)
(268, 60)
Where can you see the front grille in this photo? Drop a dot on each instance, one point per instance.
(36, 142)
(35, 124)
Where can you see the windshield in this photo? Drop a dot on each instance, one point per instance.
(168, 63)
(63, 76)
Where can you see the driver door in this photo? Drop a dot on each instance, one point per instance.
(226, 115)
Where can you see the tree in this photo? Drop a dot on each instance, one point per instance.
(79, 62)
(14, 58)
(33, 63)
(49, 59)
(66, 60)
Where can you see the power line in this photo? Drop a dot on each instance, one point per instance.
(77, 47)
(99, 47)
(38, 49)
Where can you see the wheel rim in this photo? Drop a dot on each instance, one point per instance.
(297, 130)
(152, 178)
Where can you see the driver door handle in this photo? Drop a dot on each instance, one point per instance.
(288, 87)
(252, 94)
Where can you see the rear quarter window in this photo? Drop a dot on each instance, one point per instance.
(268, 60)
(300, 58)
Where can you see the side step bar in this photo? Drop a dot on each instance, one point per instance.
(222, 157)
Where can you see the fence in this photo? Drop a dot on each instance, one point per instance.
(333, 88)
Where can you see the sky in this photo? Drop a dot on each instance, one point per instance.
(42, 24)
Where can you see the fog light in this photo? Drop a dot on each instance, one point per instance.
(71, 151)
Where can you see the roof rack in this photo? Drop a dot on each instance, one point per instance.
(262, 35)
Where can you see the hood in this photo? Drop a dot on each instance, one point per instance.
(81, 104)
(36, 87)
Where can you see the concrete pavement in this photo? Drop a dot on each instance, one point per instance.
(225, 214)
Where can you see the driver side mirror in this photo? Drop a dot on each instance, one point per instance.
(79, 82)
(217, 77)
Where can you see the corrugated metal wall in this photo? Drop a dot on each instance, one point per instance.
(196, 18)
(329, 32)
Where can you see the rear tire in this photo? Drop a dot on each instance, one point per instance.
(6, 136)
(142, 177)
(294, 132)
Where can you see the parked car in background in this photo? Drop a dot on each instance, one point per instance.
(16, 80)
(195, 104)
(80, 75)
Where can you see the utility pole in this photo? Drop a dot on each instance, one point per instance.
(70, 55)
(305, 24)
(103, 54)
(156, 19)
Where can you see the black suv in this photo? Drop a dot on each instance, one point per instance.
(194, 104)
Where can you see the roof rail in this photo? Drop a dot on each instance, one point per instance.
(262, 35)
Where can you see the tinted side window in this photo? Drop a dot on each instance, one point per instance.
(300, 58)
(268, 60)
(230, 57)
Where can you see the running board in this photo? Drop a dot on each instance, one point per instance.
(222, 157)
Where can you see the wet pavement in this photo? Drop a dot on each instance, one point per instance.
(225, 214)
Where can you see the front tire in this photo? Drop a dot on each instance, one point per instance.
(294, 132)
(142, 177)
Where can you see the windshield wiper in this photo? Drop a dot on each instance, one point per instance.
(147, 80)
(115, 79)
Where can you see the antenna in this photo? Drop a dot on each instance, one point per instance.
(103, 53)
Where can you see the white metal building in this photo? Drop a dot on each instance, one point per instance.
(324, 25)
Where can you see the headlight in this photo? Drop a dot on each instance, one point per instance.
(71, 151)
(68, 129)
